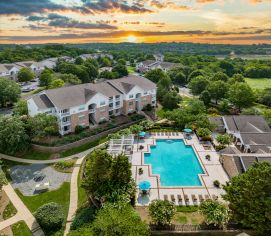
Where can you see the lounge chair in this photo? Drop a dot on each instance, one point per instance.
(194, 199)
(180, 200)
(172, 197)
(207, 197)
(201, 199)
(165, 197)
(186, 199)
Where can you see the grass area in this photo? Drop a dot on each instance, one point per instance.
(259, 83)
(60, 196)
(83, 147)
(35, 155)
(182, 219)
(21, 229)
(82, 195)
(187, 208)
(131, 69)
(194, 221)
(9, 211)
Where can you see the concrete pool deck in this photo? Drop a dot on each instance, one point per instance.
(213, 171)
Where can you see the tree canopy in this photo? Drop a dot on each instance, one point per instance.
(249, 196)
(9, 91)
(25, 74)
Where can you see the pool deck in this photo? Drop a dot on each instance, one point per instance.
(212, 168)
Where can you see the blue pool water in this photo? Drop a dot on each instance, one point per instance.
(176, 163)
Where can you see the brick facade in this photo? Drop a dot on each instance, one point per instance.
(79, 119)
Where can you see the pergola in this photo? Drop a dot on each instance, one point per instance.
(123, 145)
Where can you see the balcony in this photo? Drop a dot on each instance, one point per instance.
(66, 114)
(110, 100)
(92, 110)
(117, 99)
(64, 123)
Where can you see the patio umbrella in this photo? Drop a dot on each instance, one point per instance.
(144, 185)
(142, 134)
(188, 130)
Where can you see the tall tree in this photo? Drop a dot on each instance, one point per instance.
(25, 74)
(241, 95)
(218, 90)
(198, 85)
(9, 91)
(249, 195)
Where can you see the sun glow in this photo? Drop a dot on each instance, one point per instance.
(131, 39)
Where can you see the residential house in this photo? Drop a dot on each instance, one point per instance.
(89, 104)
(95, 56)
(9, 70)
(36, 67)
(147, 65)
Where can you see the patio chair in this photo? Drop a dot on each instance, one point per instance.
(180, 200)
(172, 197)
(214, 197)
(194, 199)
(186, 199)
(165, 197)
(201, 199)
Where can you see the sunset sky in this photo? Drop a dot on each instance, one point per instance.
(85, 21)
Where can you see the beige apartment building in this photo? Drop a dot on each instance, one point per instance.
(89, 104)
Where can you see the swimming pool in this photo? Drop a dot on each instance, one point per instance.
(175, 162)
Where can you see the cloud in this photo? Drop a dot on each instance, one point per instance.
(26, 7)
(169, 5)
(60, 21)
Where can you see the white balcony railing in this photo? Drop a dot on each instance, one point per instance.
(117, 99)
(92, 110)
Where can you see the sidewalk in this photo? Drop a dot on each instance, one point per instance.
(73, 194)
(22, 213)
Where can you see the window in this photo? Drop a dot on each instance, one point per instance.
(65, 111)
(131, 103)
(117, 111)
(102, 103)
(66, 119)
(81, 108)
(118, 97)
(111, 113)
(131, 96)
(117, 103)
(66, 128)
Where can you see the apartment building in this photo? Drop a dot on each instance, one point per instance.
(147, 65)
(89, 104)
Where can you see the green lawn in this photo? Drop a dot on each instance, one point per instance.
(60, 196)
(259, 83)
(21, 229)
(9, 211)
(131, 69)
(182, 219)
(83, 147)
(35, 155)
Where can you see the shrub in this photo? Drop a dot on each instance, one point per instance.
(50, 216)
(78, 129)
(63, 165)
(217, 183)
(83, 216)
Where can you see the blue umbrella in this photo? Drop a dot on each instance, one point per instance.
(188, 130)
(144, 185)
(142, 133)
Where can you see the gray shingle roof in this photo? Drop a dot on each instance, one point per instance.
(247, 123)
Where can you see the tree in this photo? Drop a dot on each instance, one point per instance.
(171, 100)
(46, 77)
(57, 83)
(67, 78)
(220, 76)
(9, 91)
(195, 74)
(203, 132)
(198, 85)
(162, 211)
(20, 108)
(92, 69)
(50, 216)
(205, 96)
(25, 74)
(218, 90)
(42, 125)
(214, 212)
(155, 75)
(237, 78)
(227, 67)
(120, 69)
(241, 95)
(224, 139)
(118, 219)
(249, 196)
(265, 97)
(13, 137)
(108, 177)
(79, 61)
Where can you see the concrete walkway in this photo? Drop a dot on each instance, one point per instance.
(22, 213)
(73, 194)
(29, 161)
